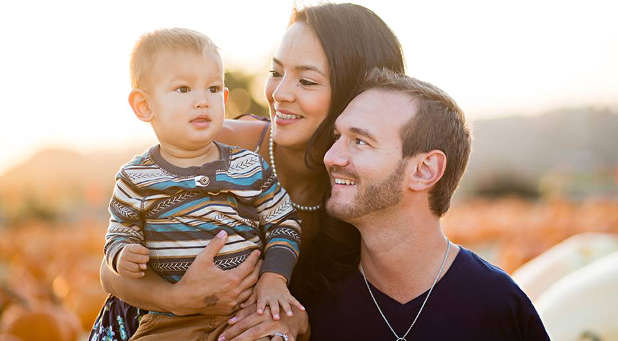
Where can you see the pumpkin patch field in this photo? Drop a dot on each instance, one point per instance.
(49, 271)
(49, 280)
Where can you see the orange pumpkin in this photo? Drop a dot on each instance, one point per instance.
(43, 321)
(9, 337)
(86, 303)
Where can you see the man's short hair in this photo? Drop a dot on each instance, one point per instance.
(438, 124)
(169, 39)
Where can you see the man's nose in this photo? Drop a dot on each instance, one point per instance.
(336, 155)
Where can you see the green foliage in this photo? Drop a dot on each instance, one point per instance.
(506, 184)
(3, 217)
(241, 100)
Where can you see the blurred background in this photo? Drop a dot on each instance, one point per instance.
(537, 80)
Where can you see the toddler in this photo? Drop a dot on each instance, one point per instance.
(171, 201)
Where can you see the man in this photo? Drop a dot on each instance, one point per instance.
(401, 147)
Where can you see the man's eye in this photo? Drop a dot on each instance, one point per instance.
(274, 73)
(360, 142)
(214, 89)
(306, 82)
(183, 89)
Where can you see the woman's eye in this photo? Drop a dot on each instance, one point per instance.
(183, 89)
(306, 82)
(274, 73)
(214, 89)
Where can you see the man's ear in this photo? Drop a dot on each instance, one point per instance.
(427, 169)
(226, 94)
(138, 100)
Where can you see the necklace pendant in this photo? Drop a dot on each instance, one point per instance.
(397, 337)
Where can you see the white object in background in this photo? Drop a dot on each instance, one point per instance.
(573, 253)
(584, 304)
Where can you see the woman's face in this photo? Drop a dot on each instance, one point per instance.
(298, 88)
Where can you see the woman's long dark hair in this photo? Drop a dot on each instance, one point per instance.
(355, 40)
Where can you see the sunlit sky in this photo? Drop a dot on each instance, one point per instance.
(64, 64)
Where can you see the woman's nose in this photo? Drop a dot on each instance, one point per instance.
(283, 91)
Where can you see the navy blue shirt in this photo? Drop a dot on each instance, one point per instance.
(474, 300)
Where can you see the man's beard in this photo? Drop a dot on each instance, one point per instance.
(373, 198)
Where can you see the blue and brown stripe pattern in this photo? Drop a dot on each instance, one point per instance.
(175, 212)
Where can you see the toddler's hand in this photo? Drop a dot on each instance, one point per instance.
(132, 261)
(271, 290)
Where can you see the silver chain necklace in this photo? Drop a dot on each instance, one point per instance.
(271, 151)
(403, 338)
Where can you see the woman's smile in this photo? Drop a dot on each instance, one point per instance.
(284, 117)
(298, 89)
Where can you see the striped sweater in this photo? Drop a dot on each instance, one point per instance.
(175, 212)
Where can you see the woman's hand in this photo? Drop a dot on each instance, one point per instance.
(248, 325)
(206, 289)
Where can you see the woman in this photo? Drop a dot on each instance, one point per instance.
(324, 54)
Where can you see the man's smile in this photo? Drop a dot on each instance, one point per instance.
(341, 181)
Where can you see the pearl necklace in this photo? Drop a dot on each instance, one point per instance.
(271, 151)
(403, 338)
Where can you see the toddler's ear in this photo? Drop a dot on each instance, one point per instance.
(138, 100)
(226, 93)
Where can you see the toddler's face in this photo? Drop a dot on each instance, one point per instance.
(186, 96)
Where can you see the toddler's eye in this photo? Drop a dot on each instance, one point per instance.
(183, 89)
(214, 89)
(274, 73)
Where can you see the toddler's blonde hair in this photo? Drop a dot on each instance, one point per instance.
(168, 39)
